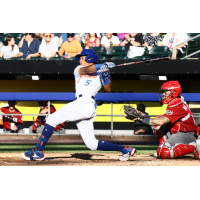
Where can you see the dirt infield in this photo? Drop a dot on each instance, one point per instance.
(94, 159)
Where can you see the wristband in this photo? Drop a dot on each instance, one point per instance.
(98, 66)
(106, 82)
(146, 120)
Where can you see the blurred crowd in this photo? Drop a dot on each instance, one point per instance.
(67, 45)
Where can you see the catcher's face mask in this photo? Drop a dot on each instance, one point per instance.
(165, 97)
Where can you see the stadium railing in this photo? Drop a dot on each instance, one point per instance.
(174, 49)
(100, 97)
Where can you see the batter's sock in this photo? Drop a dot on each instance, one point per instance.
(46, 134)
(107, 146)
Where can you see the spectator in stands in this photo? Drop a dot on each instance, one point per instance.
(121, 36)
(54, 39)
(133, 39)
(38, 36)
(70, 48)
(84, 36)
(171, 39)
(92, 41)
(12, 124)
(153, 39)
(38, 125)
(30, 47)
(139, 127)
(9, 49)
(48, 48)
(109, 40)
(65, 37)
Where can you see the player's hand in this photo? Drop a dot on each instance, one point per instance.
(110, 65)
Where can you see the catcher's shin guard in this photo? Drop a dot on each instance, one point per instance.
(166, 151)
(160, 136)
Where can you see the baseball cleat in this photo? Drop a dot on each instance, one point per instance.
(197, 153)
(127, 152)
(155, 155)
(33, 154)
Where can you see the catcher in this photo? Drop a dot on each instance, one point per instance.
(39, 123)
(176, 129)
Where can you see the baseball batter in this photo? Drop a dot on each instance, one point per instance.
(176, 129)
(89, 78)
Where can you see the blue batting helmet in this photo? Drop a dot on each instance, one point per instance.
(91, 56)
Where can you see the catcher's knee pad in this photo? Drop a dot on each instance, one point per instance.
(166, 151)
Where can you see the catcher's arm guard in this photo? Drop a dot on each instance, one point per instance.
(131, 113)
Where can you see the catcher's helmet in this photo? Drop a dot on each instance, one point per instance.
(175, 91)
(91, 56)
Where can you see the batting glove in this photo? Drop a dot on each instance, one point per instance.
(110, 64)
(101, 67)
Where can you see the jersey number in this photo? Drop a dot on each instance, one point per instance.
(88, 82)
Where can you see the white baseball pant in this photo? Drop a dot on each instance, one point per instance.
(83, 112)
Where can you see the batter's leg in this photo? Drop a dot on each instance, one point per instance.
(76, 110)
(86, 130)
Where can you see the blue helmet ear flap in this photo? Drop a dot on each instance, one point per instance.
(91, 56)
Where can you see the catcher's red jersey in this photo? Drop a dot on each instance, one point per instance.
(7, 120)
(180, 117)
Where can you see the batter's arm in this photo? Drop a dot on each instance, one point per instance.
(84, 70)
(108, 87)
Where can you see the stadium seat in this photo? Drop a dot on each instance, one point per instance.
(82, 45)
(17, 40)
(2, 38)
(15, 35)
(192, 34)
(101, 51)
(116, 51)
(159, 52)
(37, 58)
(119, 57)
(15, 58)
(56, 58)
(102, 58)
(72, 58)
(193, 46)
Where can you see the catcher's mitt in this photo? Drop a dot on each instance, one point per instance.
(131, 112)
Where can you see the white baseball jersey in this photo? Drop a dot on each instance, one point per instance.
(83, 110)
(88, 84)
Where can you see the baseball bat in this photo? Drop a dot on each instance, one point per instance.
(143, 61)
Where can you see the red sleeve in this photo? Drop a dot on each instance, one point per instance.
(175, 113)
(3, 109)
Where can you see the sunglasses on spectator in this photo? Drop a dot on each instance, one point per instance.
(47, 36)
